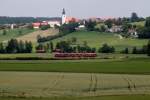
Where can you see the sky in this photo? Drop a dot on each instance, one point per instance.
(74, 8)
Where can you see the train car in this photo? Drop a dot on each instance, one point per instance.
(74, 55)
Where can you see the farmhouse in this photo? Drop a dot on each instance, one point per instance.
(36, 25)
(52, 23)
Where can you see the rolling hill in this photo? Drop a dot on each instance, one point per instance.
(97, 39)
(33, 35)
(13, 34)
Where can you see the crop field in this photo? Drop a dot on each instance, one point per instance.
(33, 36)
(119, 78)
(99, 79)
(97, 39)
(48, 84)
(130, 66)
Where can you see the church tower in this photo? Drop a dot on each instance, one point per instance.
(64, 16)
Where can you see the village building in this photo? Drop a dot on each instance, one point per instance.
(36, 25)
(56, 21)
(133, 33)
(115, 29)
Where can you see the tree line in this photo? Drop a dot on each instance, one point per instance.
(63, 30)
(19, 20)
(71, 46)
(14, 46)
(145, 31)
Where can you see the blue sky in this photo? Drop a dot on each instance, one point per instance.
(76, 8)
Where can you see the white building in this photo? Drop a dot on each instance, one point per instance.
(12, 26)
(53, 23)
(64, 16)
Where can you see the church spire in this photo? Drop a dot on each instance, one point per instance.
(64, 16)
(63, 11)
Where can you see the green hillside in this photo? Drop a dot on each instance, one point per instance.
(97, 39)
(13, 33)
(141, 23)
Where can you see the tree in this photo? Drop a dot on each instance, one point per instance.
(109, 23)
(68, 28)
(126, 28)
(51, 46)
(12, 46)
(28, 46)
(147, 23)
(106, 49)
(38, 38)
(21, 47)
(45, 27)
(134, 51)
(103, 28)
(148, 48)
(90, 25)
(2, 49)
(4, 32)
(125, 51)
(64, 46)
(134, 17)
(40, 47)
(144, 32)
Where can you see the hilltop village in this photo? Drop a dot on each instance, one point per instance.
(44, 34)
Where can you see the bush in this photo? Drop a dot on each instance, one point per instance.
(148, 48)
(125, 51)
(139, 51)
(106, 49)
(45, 27)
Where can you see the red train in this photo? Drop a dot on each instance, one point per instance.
(75, 55)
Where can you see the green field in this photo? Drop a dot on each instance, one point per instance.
(48, 84)
(123, 66)
(43, 55)
(13, 33)
(108, 77)
(99, 79)
(139, 24)
(96, 39)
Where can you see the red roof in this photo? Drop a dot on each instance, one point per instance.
(44, 23)
(36, 24)
(71, 19)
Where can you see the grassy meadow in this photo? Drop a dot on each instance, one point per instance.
(97, 39)
(108, 77)
(13, 33)
(121, 66)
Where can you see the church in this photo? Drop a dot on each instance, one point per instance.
(63, 20)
